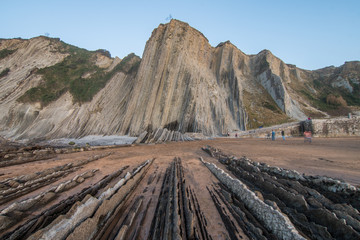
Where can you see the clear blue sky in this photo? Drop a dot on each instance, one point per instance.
(310, 33)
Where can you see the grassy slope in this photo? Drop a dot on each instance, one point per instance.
(262, 111)
(323, 88)
(67, 76)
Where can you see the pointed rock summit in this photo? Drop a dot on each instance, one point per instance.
(181, 85)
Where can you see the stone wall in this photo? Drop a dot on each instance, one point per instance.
(337, 127)
(334, 127)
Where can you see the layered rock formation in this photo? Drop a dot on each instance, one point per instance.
(182, 83)
(309, 202)
(114, 195)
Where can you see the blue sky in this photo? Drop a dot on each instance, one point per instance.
(310, 34)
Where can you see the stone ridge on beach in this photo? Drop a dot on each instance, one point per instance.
(176, 190)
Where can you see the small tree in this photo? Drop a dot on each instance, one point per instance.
(335, 101)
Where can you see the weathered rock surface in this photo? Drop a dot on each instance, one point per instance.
(182, 84)
(309, 202)
(174, 198)
(272, 218)
(161, 135)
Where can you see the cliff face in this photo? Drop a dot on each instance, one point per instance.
(62, 117)
(185, 84)
(181, 83)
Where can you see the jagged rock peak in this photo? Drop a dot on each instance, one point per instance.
(268, 55)
(265, 52)
(185, 82)
(175, 24)
(225, 43)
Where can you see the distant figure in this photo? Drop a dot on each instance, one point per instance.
(236, 135)
(268, 136)
(273, 135)
(307, 136)
(283, 134)
(228, 134)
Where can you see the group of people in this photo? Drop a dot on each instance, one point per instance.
(273, 135)
(307, 135)
(307, 132)
(236, 135)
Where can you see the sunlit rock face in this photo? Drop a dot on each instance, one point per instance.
(182, 83)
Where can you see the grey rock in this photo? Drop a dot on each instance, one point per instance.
(181, 81)
(141, 137)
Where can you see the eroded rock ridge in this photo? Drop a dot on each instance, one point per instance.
(181, 83)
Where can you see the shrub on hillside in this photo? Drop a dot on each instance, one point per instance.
(4, 72)
(6, 52)
(335, 100)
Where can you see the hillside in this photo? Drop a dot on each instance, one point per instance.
(50, 89)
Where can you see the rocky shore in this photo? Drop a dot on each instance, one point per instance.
(169, 191)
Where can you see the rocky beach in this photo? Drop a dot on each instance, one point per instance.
(225, 188)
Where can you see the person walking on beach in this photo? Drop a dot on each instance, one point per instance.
(307, 136)
(283, 134)
(273, 135)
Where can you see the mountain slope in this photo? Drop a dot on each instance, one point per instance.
(50, 89)
(65, 115)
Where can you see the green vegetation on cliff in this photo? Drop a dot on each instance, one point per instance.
(69, 75)
(6, 52)
(262, 111)
(332, 100)
(4, 72)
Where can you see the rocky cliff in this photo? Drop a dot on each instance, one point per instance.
(49, 89)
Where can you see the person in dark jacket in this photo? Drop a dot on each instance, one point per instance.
(283, 134)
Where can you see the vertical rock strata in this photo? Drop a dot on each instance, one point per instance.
(181, 83)
(186, 83)
(178, 214)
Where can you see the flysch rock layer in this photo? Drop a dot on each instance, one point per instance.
(182, 84)
(272, 218)
(91, 210)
